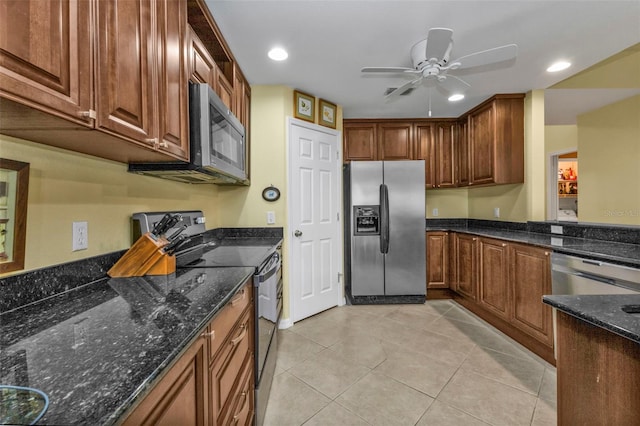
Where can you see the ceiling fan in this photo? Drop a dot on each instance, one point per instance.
(431, 63)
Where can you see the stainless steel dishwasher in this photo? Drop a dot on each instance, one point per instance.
(576, 276)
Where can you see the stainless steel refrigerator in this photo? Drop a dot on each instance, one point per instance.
(385, 231)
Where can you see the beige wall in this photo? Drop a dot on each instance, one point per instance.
(560, 138)
(609, 158)
(65, 187)
(451, 203)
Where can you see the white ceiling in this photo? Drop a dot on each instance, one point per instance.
(330, 41)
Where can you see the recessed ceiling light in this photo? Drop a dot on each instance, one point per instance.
(559, 66)
(456, 97)
(278, 54)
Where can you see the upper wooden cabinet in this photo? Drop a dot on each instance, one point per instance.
(436, 144)
(56, 80)
(496, 141)
(483, 147)
(395, 141)
(141, 80)
(360, 143)
(121, 67)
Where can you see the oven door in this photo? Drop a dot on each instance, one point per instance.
(268, 297)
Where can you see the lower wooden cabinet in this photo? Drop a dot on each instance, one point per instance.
(212, 382)
(530, 279)
(501, 281)
(493, 284)
(437, 259)
(464, 265)
(181, 396)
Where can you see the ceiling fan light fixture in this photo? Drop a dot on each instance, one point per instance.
(456, 97)
(559, 66)
(278, 54)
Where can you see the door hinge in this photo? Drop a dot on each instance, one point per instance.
(339, 277)
(338, 216)
(337, 155)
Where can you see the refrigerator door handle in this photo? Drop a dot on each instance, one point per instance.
(384, 219)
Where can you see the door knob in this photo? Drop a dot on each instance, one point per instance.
(298, 233)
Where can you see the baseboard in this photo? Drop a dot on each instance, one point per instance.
(285, 323)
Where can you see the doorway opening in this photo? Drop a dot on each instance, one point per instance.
(563, 186)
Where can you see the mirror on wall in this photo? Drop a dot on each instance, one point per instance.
(14, 188)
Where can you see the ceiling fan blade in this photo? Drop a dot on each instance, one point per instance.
(400, 90)
(453, 84)
(389, 69)
(489, 56)
(439, 43)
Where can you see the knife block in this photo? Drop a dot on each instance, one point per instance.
(145, 257)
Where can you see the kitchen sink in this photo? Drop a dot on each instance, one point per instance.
(21, 405)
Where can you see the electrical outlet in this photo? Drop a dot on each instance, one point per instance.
(271, 218)
(555, 229)
(80, 237)
(434, 212)
(496, 212)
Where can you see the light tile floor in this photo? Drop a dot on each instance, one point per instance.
(431, 364)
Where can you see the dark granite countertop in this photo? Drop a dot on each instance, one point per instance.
(95, 346)
(604, 311)
(95, 349)
(611, 251)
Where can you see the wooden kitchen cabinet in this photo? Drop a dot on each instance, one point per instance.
(180, 397)
(436, 144)
(141, 82)
(462, 153)
(465, 265)
(360, 141)
(496, 141)
(493, 276)
(530, 279)
(212, 381)
(201, 64)
(45, 57)
(437, 259)
(395, 141)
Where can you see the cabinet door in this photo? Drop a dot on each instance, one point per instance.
(462, 152)
(493, 277)
(173, 103)
(359, 142)
(224, 372)
(179, 398)
(437, 260)
(445, 155)
(223, 88)
(45, 56)
(125, 83)
(481, 145)
(465, 265)
(424, 134)
(530, 279)
(201, 64)
(395, 141)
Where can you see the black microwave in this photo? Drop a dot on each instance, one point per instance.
(216, 142)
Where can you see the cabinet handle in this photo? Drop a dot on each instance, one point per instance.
(474, 239)
(546, 253)
(152, 141)
(237, 417)
(241, 336)
(88, 114)
(164, 144)
(504, 244)
(238, 298)
(211, 334)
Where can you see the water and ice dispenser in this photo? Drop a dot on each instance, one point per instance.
(366, 220)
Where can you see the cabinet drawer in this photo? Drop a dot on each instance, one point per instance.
(224, 373)
(221, 326)
(241, 412)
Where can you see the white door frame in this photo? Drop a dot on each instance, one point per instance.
(288, 322)
(552, 182)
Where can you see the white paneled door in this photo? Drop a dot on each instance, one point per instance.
(314, 226)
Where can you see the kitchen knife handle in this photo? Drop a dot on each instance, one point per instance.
(384, 219)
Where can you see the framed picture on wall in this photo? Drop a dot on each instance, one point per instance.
(328, 113)
(304, 106)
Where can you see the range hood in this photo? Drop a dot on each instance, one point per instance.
(185, 173)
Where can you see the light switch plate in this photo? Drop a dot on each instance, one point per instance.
(496, 212)
(434, 212)
(271, 218)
